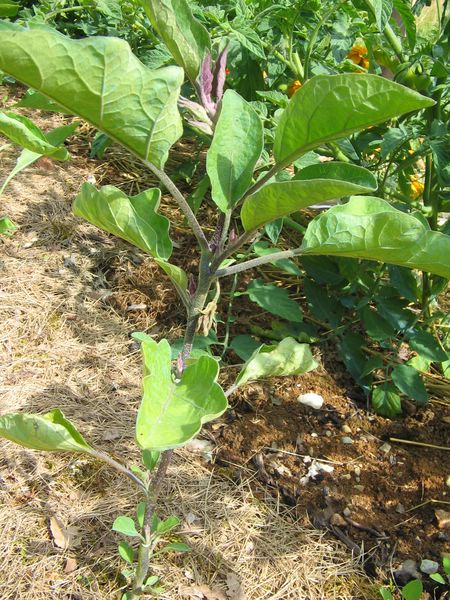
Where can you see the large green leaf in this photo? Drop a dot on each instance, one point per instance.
(25, 133)
(100, 80)
(282, 198)
(27, 157)
(287, 358)
(184, 36)
(329, 107)
(369, 227)
(339, 171)
(51, 431)
(410, 382)
(172, 412)
(133, 219)
(236, 146)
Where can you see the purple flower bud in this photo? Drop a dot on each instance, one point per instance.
(201, 125)
(180, 365)
(232, 237)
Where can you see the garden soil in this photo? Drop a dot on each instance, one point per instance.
(259, 526)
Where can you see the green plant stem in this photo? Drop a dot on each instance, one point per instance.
(53, 13)
(388, 33)
(109, 460)
(146, 547)
(182, 203)
(256, 262)
(229, 315)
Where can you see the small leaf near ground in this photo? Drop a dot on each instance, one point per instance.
(126, 526)
(275, 300)
(409, 381)
(386, 401)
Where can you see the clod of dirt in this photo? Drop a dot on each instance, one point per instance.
(443, 518)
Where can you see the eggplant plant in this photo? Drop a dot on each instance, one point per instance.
(101, 81)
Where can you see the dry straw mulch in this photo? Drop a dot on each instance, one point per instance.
(63, 345)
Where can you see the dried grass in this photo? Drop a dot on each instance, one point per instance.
(63, 346)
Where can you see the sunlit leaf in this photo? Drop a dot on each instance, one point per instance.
(287, 358)
(126, 552)
(329, 107)
(172, 412)
(99, 79)
(237, 144)
(369, 227)
(25, 133)
(50, 431)
(386, 401)
(133, 219)
(126, 526)
(409, 381)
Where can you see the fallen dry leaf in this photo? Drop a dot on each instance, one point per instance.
(204, 592)
(71, 565)
(234, 588)
(443, 518)
(59, 533)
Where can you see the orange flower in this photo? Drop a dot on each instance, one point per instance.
(358, 56)
(293, 87)
(416, 187)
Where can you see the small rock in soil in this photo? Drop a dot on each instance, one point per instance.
(400, 509)
(385, 448)
(346, 512)
(133, 307)
(443, 518)
(347, 440)
(328, 433)
(311, 399)
(360, 488)
(357, 471)
(337, 520)
(346, 429)
(429, 566)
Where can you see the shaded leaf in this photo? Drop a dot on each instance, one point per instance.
(287, 358)
(172, 412)
(412, 590)
(275, 300)
(353, 357)
(376, 326)
(329, 107)
(369, 227)
(361, 178)
(99, 79)
(237, 144)
(323, 305)
(150, 459)
(409, 381)
(427, 346)
(178, 277)
(9, 8)
(403, 7)
(51, 431)
(244, 346)
(133, 219)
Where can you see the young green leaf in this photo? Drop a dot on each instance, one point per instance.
(150, 459)
(7, 227)
(26, 158)
(184, 36)
(175, 547)
(140, 513)
(133, 219)
(33, 99)
(100, 80)
(386, 401)
(386, 594)
(237, 144)
(126, 526)
(409, 381)
(51, 431)
(275, 300)
(412, 590)
(167, 525)
(369, 227)
(330, 107)
(287, 358)
(126, 552)
(25, 133)
(279, 199)
(151, 581)
(172, 412)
